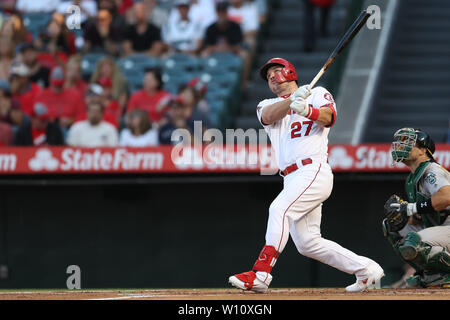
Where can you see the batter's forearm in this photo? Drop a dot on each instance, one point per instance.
(275, 112)
(325, 116)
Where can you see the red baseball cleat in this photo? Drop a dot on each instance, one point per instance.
(251, 281)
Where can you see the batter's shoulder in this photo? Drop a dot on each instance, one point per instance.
(267, 102)
(319, 90)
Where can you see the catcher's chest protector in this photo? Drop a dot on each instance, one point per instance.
(413, 194)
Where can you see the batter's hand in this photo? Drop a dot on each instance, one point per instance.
(303, 92)
(300, 106)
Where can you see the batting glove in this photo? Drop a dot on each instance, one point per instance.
(303, 92)
(409, 208)
(301, 107)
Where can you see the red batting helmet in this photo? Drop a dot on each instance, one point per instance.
(288, 72)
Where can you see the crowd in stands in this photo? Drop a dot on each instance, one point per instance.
(47, 99)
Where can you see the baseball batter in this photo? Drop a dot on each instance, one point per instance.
(297, 122)
(419, 228)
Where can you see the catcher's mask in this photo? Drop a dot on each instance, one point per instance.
(407, 138)
(288, 72)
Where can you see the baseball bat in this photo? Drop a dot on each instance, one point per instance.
(348, 36)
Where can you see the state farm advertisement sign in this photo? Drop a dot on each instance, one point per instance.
(166, 159)
(173, 159)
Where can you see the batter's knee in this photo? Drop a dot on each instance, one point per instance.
(277, 207)
(309, 244)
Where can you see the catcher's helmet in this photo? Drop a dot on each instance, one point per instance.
(288, 72)
(407, 138)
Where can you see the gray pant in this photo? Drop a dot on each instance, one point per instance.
(434, 236)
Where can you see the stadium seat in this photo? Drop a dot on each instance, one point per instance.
(36, 22)
(178, 63)
(172, 82)
(223, 61)
(138, 61)
(89, 62)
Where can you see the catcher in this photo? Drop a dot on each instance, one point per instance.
(419, 228)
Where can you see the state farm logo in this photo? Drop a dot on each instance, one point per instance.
(43, 160)
(95, 160)
(362, 158)
(338, 157)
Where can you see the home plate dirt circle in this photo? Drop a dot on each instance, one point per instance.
(227, 294)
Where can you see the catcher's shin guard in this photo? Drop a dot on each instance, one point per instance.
(396, 240)
(266, 259)
(427, 257)
(429, 280)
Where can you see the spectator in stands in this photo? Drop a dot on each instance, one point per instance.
(107, 68)
(246, 15)
(181, 33)
(88, 9)
(125, 8)
(36, 6)
(6, 57)
(200, 88)
(191, 98)
(73, 75)
(10, 109)
(56, 43)
(119, 16)
(139, 133)
(37, 72)
(156, 15)
(40, 130)
(174, 119)
(201, 12)
(151, 97)
(111, 107)
(310, 33)
(95, 93)
(93, 132)
(226, 36)
(101, 35)
(223, 35)
(261, 5)
(63, 104)
(6, 134)
(8, 6)
(14, 30)
(22, 88)
(142, 36)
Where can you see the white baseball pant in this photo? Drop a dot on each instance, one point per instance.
(297, 211)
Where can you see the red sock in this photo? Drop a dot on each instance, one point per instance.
(266, 259)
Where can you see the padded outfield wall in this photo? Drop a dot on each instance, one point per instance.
(175, 231)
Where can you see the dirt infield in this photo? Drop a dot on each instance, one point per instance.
(227, 294)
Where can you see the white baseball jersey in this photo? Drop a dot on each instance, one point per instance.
(295, 137)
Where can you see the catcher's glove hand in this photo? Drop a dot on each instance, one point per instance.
(395, 213)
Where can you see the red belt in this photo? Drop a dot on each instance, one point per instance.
(294, 166)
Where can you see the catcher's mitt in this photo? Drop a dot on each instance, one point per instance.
(395, 217)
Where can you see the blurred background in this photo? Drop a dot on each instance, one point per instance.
(99, 75)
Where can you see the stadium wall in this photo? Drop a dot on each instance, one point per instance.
(175, 232)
